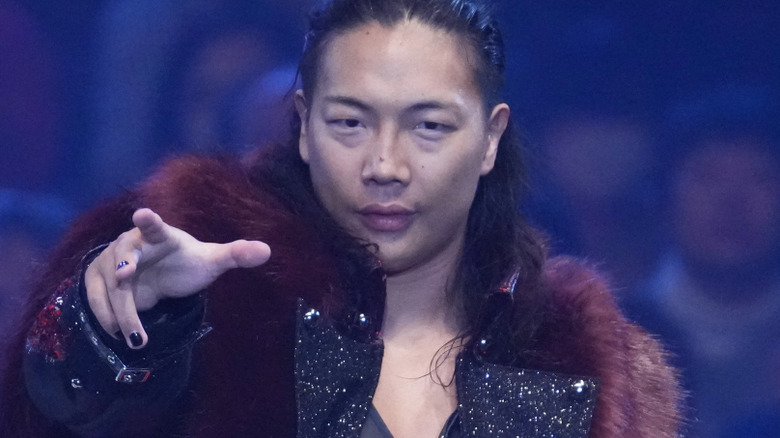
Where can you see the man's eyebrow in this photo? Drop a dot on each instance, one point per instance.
(430, 104)
(417, 106)
(348, 101)
(433, 105)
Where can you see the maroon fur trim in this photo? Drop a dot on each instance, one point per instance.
(245, 367)
(586, 334)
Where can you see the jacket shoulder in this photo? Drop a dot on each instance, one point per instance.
(585, 333)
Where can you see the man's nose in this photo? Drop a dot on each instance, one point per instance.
(386, 159)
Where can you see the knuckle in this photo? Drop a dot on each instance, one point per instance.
(94, 268)
(92, 298)
(127, 321)
(127, 237)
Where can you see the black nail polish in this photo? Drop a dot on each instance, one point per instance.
(135, 339)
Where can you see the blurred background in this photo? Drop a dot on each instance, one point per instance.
(651, 126)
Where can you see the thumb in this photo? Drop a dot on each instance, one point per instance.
(151, 225)
(242, 254)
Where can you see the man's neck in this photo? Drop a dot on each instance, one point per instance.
(418, 306)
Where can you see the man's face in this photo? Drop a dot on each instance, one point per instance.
(396, 139)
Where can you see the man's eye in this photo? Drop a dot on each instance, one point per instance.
(433, 130)
(430, 126)
(346, 123)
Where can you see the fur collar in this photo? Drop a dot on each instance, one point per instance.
(583, 333)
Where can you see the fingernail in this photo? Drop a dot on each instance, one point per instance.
(135, 339)
(122, 264)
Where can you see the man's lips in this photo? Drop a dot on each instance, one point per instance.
(386, 218)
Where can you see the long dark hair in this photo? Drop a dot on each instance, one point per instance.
(498, 242)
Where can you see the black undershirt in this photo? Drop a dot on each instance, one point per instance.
(375, 427)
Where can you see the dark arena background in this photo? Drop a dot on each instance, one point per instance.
(651, 129)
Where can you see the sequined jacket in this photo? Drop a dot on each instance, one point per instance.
(293, 348)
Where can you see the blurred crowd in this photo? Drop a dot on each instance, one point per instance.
(652, 132)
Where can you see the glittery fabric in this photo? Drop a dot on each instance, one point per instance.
(47, 335)
(503, 401)
(335, 378)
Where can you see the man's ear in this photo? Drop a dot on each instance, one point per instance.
(496, 125)
(303, 114)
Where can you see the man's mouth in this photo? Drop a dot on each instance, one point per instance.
(386, 218)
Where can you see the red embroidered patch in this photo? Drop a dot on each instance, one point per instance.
(47, 334)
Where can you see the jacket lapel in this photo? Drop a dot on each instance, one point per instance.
(497, 400)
